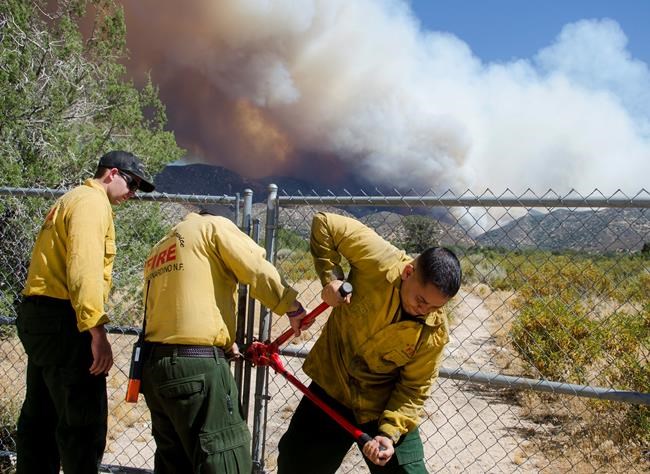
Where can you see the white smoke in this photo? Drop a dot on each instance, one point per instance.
(402, 106)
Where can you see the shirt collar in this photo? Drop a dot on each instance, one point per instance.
(90, 182)
(95, 185)
(394, 274)
(434, 318)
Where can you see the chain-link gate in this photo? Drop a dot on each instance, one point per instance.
(548, 366)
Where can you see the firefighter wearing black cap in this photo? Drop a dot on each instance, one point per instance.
(61, 320)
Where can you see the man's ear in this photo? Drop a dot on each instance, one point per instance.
(409, 270)
(110, 175)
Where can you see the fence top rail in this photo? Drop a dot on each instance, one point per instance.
(473, 201)
(448, 199)
(182, 198)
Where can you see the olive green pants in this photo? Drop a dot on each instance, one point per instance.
(63, 419)
(316, 444)
(195, 416)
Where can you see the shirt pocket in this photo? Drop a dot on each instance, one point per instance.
(110, 248)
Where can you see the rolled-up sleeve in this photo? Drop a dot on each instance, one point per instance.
(334, 236)
(402, 412)
(87, 225)
(247, 261)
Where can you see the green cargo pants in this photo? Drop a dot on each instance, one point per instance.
(63, 419)
(195, 416)
(316, 444)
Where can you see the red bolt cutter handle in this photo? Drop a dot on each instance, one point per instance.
(267, 354)
(345, 289)
(360, 437)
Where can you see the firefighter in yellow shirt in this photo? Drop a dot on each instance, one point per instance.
(378, 353)
(61, 323)
(191, 279)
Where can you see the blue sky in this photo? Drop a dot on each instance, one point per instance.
(500, 30)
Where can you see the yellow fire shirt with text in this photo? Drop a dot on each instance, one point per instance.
(191, 279)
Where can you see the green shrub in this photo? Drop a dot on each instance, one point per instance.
(296, 265)
(9, 411)
(561, 342)
(480, 269)
(291, 240)
(421, 233)
(558, 340)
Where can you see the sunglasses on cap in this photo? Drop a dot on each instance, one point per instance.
(131, 182)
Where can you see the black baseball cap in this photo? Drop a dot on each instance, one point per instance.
(125, 161)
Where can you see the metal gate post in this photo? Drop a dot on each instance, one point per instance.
(250, 329)
(261, 380)
(242, 298)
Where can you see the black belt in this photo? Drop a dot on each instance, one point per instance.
(40, 300)
(182, 350)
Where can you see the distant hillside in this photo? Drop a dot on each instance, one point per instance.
(205, 180)
(390, 226)
(217, 181)
(597, 231)
(605, 230)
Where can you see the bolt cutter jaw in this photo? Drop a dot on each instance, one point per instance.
(258, 353)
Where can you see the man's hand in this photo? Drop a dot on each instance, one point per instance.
(233, 353)
(331, 295)
(380, 450)
(102, 352)
(296, 319)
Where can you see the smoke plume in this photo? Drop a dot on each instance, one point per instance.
(324, 89)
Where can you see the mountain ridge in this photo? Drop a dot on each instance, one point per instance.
(604, 230)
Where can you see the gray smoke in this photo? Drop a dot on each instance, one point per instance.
(316, 87)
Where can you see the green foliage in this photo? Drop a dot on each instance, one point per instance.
(570, 276)
(581, 318)
(64, 100)
(563, 340)
(421, 233)
(9, 411)
(138, 227)
(557, 339)
(626, 345)
(20, 220)
(296, 265)
(291, 240)
(480, 269)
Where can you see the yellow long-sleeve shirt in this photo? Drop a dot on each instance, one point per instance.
(192, 276)
(73, 255)
(368, 356)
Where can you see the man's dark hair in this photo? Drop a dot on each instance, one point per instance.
(100, 172)
(440, 266)
(204, 211)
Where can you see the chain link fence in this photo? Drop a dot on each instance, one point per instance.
(547, 369)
